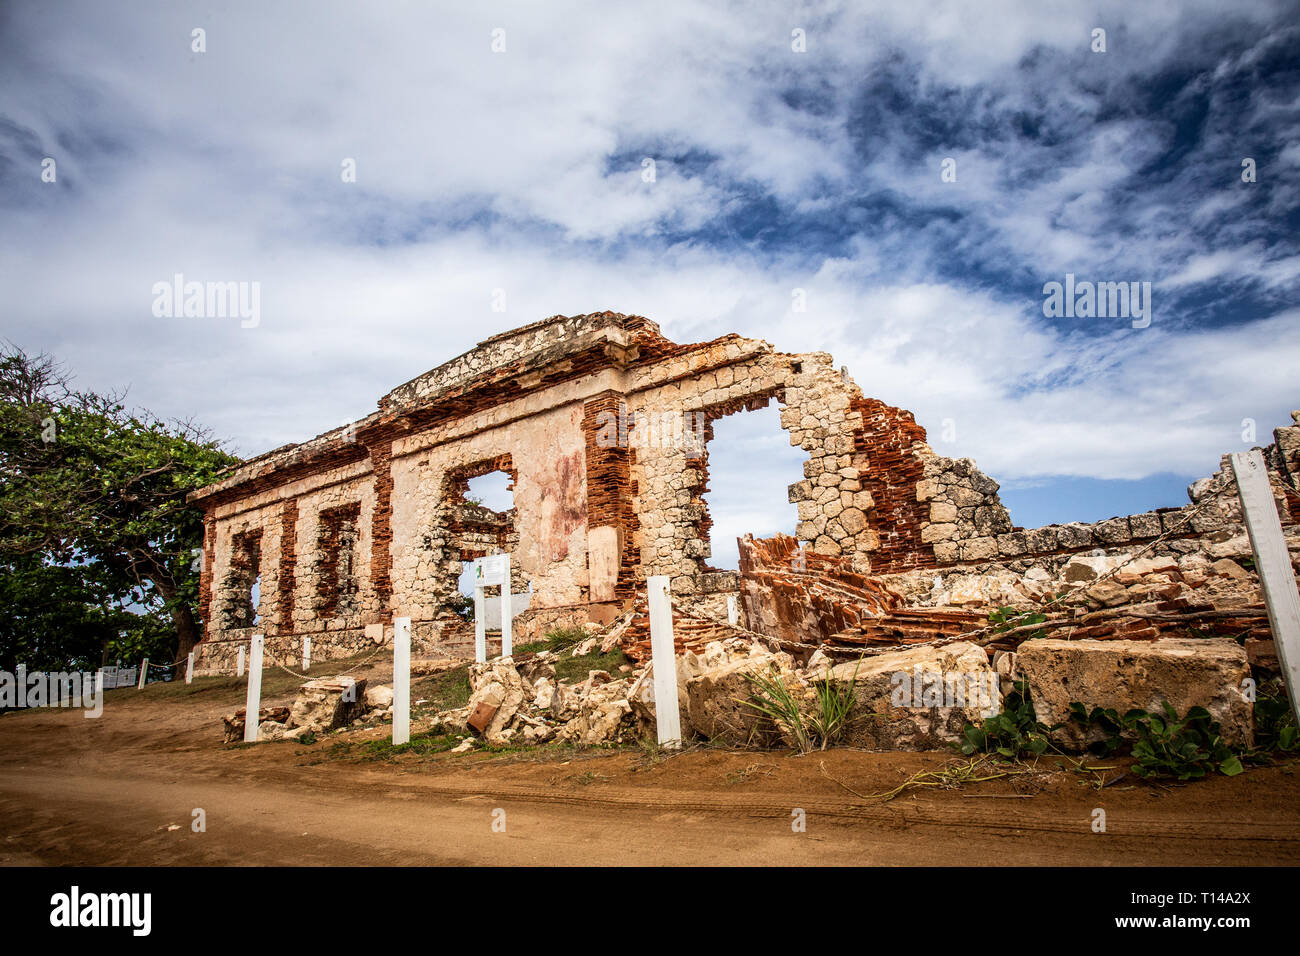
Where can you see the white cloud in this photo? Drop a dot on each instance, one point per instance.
(521, 171)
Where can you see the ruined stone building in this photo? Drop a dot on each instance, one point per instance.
(603, 426)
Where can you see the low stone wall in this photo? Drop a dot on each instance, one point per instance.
(969, 525)
(214, 658)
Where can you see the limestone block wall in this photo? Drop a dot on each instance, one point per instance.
(963, 515)
(1209, 527)
(671, 476)
(245, 550)
(835, 504)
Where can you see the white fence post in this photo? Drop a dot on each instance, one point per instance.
(663, 657)
(189, 668)
(480, 625)
(239, 672)
(306, 654)
(1273, 563)
(507, 610)
(144, 673)
(401, 680)
(253, 702)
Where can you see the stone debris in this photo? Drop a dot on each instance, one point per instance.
(1186, 672)
(920, 698)
(379, 698)
(322, 705)
(496, 695)
(234, 723)
(328, 703)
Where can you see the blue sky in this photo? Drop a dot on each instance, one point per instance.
(775, 170)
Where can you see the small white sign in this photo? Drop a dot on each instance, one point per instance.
(491, 571)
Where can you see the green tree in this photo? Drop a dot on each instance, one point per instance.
(92, 506)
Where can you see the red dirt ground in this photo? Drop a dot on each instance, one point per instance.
(107, 791)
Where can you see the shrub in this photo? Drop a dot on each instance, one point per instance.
(1164, 745)
(815, 720)
(1014, 731)
(1275, 727)
(1186, 748)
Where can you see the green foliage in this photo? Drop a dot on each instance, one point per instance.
(814, 721)
(577, 668)
(462, 605)
(1186, 748)
(1012, 732)
(1006, 618)
(95, 489)
(1275, 728)
(775, 701)
(1104, 719)
(1164, 744)
(444, 691)
(833, 704)
(558, 639)
(561, 641)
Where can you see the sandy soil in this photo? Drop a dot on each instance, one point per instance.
(108, 791)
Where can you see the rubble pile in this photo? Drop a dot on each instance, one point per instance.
(1103, 597)
(519, 700)
(922, 656)
(691, 632)
(1095, 595)
(322, 705)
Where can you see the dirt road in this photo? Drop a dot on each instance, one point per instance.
(111, 790)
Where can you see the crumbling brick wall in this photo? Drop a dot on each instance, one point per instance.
(337, 543)
(243, 571)
(890, 471)
(611, 492)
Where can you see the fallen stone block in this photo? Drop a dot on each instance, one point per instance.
(327, 703)
(379, 698)
(717, 699)
(1126, 675)
(919, 698)
(270, 730)
(234, 723)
